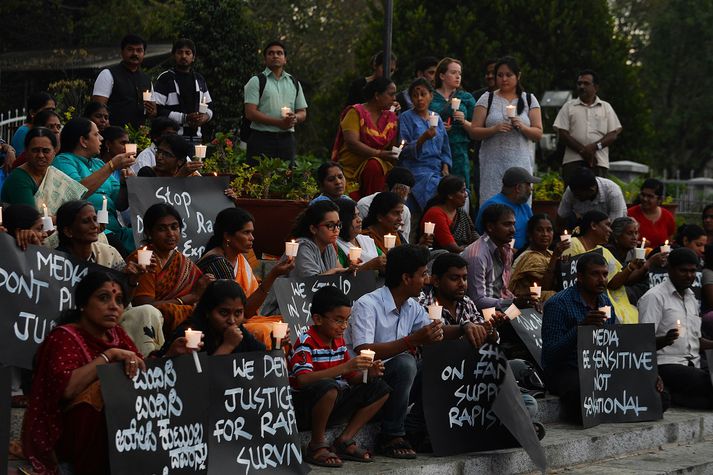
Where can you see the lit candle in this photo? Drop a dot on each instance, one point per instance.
(147, 96)
(643, 243)
(640, 253)
(291, 248)
(513, 312)
(103, 214)
(488, 313)
(512, 243)
(369, 354)
(433, 119)
(536, 289)
(389, 241)
(130, 148)
(510, 111)
(0, 215)
(606, 309)
(679, 327)
(203, 107)
(565, 236)
(193, 339)
(354, 254)
(144, 256)
(285, 111)
(428, 227)
(47, 224)
(279, 330)
(435, 312)
(455, 103)
(665, 248)
(200, 151)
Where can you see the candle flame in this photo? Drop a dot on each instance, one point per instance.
(565, 232)
(403, 142)
(293, 241)
(678, 322)
(666, 243)
(534, 284)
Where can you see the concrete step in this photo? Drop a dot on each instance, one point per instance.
(565, 446)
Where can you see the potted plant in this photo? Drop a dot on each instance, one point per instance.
(547, 194)
(225, 158)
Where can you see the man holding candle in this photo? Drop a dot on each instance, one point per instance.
(673, 309)
(271, 132)
(122, 86)
(182, 94)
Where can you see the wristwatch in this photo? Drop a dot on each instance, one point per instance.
(599, 146)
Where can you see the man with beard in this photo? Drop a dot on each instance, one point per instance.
(121, 87)
(588, 126)
(182, 94)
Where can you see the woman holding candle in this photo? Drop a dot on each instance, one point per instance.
(538, 265)
(176, 284)
(81, 143)
(595, 230)
(65, 423)
(454, 229)
(173, 154)
(365, 138)
(428, 153)
(350, 237)
(505, 141)
(655, 222)
(455, 106)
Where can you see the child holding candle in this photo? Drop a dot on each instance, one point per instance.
(329, 382)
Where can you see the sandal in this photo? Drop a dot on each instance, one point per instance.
(389, 446)
(359, 454)
(319, 455)
(539, 430)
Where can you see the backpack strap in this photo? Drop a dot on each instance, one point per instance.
(262, 81)
(491, 96)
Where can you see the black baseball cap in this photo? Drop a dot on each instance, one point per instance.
(515, 175)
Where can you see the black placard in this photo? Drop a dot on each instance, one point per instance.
(528, 327)
(157, 421)
(197, 199)
(617, 374)
(295, 295)
(5, 388)
(568, 268)
(35, 287)
(659, 274)
(252, 422)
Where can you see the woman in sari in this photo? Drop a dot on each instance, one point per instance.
(537, 264)
(365, 137)
(176, 284)
(25, 180)
(385, 217)
(65, 424)
(350, 236)
(36, 103)
(454, 229)
(48, 119)
(595, 229)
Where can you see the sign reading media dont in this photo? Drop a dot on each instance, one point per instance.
(617, 374)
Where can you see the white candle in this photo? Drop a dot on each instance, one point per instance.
(203, 108)
(665, 248)
(606, 309)
(130, 148)
(565, 236)
(455, 103)
(279, 330)
(513, 312)
(147, 95)
(44, 210)
(144, 256)
(510, 111)
(435, 312)
(428, 227)
(433, 120)
(47, 224)
(488, 313)
(291, 248)
(536, 289)
(193, 338)
(643, 243)
(639, 253)
(512, 243)
(369, 354)
(389, 241)
(354, 254)
(0, 215)
(200, 151)
(103, 214)
(285, 111)
(392, 109)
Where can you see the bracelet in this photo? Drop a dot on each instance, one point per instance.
(180, 301)
(111, 165)
(106, 358)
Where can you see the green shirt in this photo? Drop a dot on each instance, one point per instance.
(277, 94)
(19, 188)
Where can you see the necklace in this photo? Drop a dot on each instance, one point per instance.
(162, 262)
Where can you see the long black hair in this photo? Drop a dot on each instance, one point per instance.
(156, 212)
(511, 63)
(448, 185)
(382, 204)
(312, 216)
(347, 211)
(230, 220)
(66, 215)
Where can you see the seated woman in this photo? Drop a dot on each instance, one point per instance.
(693, 237)
(594, 232)
(48, 119)
(656, 224)
(385, 218)
(454, 229)
(350, 236)
(173, 159)
(97, 113)
(65, 424)
(537, 264)
(79, 160)
(220, 315)
(175, 284)
(36, 103)
(114, 143)
(365, 137)
(24, 223)
(428, 153)
(331, 182)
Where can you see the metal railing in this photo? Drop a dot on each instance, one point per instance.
(10, 122)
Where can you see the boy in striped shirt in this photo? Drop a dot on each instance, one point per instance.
(329, 384)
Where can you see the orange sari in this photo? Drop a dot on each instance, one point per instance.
(379, 240)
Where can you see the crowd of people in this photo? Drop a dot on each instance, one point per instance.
(407, 156)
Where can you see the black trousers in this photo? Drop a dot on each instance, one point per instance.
(272, 145)
(564, 382)
(689, 386)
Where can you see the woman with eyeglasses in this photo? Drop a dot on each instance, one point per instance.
(656, 224)
(173, 158)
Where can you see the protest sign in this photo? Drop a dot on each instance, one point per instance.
(659, 274)
(197, 199)
(568, 269)
(5, 388)
(251, 419)
(35, 287)
(295, 295)
(528, 327)
(157, 421)
(617, 374)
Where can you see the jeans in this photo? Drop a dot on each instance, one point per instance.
(400, 373)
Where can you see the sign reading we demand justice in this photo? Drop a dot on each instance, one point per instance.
(234, 417)
(197, 199)
(617, 374)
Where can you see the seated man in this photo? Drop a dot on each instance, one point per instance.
(399, 180)
(330, 382)
(672, 307)
(586, 192)
(564, 312)
(390, 322)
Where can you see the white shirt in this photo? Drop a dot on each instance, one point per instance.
(147, 158)
(365, 203)
(663, 306)
(609, 199)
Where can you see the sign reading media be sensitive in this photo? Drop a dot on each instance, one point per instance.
(617, 374)
(197, 199)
